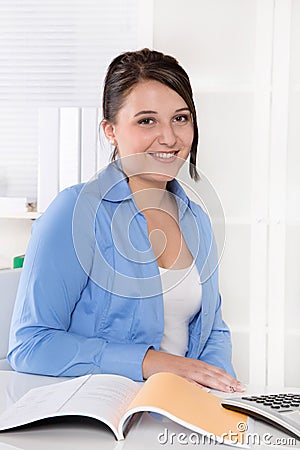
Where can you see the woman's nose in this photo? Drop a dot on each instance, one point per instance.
(167, 136)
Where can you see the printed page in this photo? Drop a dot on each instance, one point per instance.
(190, 406)
(40, 402)
(104, 397)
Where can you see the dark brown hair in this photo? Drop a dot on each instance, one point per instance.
(129, 68)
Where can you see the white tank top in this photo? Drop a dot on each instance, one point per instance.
(182, 295)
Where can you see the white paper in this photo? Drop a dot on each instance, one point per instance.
(103, 397)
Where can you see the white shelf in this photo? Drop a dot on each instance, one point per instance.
(20, 215)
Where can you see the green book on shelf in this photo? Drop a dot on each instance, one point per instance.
(18, 261)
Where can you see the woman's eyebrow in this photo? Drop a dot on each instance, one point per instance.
(145, 112)
(155, 112)
(183, 109)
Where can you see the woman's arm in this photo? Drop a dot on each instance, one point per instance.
(51, 284)
(218, 349)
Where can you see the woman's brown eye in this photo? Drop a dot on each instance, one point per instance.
(182, 118)
(146, 121)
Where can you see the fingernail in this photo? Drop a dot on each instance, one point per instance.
(241, 387)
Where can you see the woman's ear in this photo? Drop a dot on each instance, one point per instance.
(109, 131)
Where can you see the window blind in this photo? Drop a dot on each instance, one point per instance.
(52, 53)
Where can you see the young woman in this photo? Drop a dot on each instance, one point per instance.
(120, 273)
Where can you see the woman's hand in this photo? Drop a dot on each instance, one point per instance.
(194, 370)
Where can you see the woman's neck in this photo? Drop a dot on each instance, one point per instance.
(138, 184)
(149, 194)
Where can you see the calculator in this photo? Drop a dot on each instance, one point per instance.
(281, 410)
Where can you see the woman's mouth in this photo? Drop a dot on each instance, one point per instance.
(164, 156)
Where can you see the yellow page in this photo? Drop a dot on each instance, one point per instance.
(191, 404)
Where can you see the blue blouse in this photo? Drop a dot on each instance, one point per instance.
(90, 295)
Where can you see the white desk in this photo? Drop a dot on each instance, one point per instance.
(81, 434)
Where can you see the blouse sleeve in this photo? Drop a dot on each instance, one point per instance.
(51, 283)
(218, 347)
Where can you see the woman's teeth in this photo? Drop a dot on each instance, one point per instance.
(164, 155)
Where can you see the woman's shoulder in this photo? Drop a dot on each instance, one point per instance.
(65, 200)
(59, 213)
(198, 209)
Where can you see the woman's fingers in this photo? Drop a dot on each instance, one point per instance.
(211, 376)
(219, 379)
(196, 371)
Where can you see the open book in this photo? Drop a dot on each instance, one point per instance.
(114, 400)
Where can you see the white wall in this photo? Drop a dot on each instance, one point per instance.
(244, 64)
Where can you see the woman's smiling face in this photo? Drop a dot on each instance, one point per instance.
(154, 125)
